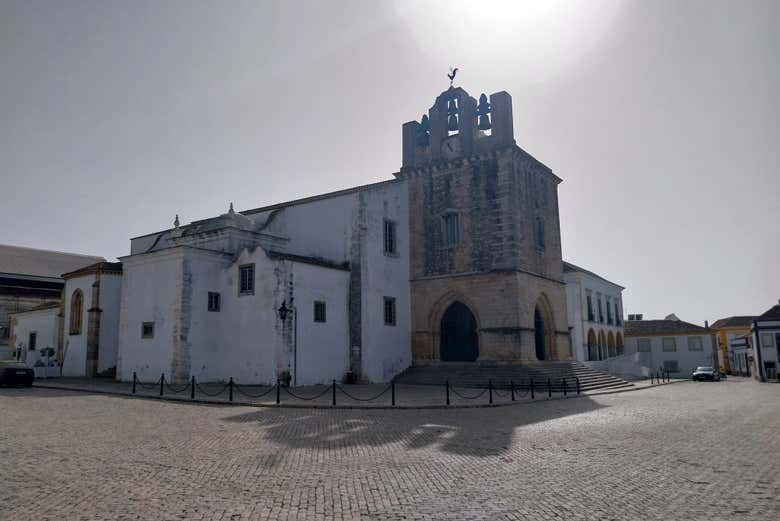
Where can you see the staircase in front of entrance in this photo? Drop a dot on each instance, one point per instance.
(478, 374)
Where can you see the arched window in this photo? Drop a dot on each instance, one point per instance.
(76, 312)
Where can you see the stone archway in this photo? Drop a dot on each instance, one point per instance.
(543, 330)
(619, 344)
(611, 345)
(593, 349)
(458, 341)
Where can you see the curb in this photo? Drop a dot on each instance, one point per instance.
(204, 401)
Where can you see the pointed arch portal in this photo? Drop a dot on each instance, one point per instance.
(459, 340)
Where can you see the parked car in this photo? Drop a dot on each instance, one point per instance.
(706, 373)
(15, 373)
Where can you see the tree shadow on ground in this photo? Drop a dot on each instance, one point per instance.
(479, 432)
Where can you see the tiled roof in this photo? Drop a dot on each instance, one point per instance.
(772, 313)
(569, 267)
(99, 267)
(18, 260)
(736, 321)
(660, 327)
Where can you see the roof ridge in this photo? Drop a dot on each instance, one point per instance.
(29, 248)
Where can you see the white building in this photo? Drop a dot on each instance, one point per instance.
(670, 345)
(91, 319)
(595, 313)
(205, 299)
(35, 336)
(740, 355)
(765, 334)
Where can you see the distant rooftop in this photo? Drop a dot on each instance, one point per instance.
(19, 260)
(772, 313)
(569, 267)
(735, 321)
(660, 327)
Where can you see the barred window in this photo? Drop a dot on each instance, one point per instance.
(33, 341)
(390, 311)
(214, 301)
(319, 311)
(451, 229)
(147, 330)
(246, 277)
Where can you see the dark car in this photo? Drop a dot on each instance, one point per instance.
(15, 373)
(706, 373)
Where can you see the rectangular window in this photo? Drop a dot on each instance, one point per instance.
(770, 370)
(319, 311)
(214, 301)
(766, 340)
(617, 314)
(451, 229)
(694, 343)
(33, 341)
(147, 330)
(390, 238)
(246, 275)
(669, 345)
(671, 366)
(643, 345)
(601, 311)
(590, 309)
(389, 311)
(609, 312)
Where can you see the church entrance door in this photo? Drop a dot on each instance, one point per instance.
(459, 340)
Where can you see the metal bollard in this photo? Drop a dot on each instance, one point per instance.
(192, 389)
(278, 392)
(490, 391)
(549, 388)
(532, 388)
(134, 380)
(512, 389)
(334, 393)
(447, 387)
(162, 382)
(392, 393)
(230, 389)
(651, 378)
(578, 386)
(564, 386)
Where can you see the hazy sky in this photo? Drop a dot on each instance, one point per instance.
(662, 118)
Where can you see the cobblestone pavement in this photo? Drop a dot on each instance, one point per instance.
(685, 451)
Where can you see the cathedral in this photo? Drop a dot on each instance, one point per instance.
(456, 259)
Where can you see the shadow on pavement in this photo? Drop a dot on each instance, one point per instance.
(473, 432)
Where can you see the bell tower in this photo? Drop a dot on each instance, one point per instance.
(485, 252)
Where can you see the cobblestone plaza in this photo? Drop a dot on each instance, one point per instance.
(683, 451)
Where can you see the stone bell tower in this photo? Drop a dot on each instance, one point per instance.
(485, 248)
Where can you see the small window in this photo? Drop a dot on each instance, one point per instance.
(33, 341)
(319, 311)
(766, 340)
(643, 345)
(451, 229)
(694, 343)
(617, 314)
(671, 366)
(246, 275)
(76, 311)
(390, 238)
(669, 345)
(389, 311)
(591, 317)
(601, 311)
(214, 301)
(147, 330)
(770, 369)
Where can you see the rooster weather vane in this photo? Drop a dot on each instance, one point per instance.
(452, 74)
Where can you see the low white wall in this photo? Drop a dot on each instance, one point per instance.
(44, 323)
(630, 366)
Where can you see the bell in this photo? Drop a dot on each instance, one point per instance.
(483, 107)
(452, 108)
(452, 123)
(484, 122)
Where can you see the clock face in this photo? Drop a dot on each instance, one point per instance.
(450, 147)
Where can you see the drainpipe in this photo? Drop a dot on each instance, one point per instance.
(295, 344)
(757, 347)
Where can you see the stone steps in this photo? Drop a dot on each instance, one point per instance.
(502, 375)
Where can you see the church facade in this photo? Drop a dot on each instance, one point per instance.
(456, 259)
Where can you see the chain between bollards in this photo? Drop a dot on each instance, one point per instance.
(135, 379)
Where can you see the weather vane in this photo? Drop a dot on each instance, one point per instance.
(452, 74)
